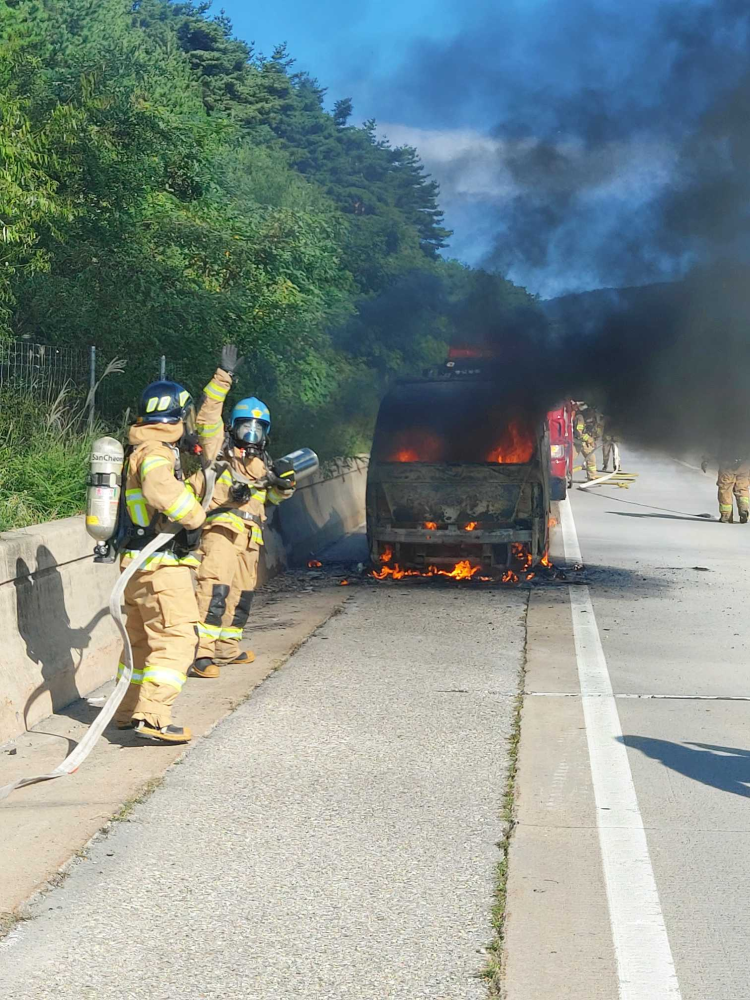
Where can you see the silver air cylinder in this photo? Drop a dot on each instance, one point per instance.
(105, 483)
(304, 461)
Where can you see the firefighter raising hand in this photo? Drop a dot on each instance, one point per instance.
(246, 481)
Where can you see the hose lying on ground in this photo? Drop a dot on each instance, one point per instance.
(81, 751)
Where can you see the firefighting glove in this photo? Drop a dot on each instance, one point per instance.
(230, 361)
(240, 492)
(282, 475)
(187, 541)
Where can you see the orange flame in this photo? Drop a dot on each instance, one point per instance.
(417, 446)
(314, 564)
(553, 522)
(515, 447)
(546, 561)
(431, 525)
(344, 583)
(461, 571)
(471, 526)
(521, 554)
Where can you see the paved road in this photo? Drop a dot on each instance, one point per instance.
(669, 592)
(335, 838)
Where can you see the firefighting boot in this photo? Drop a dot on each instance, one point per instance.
(726, 519)
(166, 734)
(246, 656)
(744, 515)
(205, 667)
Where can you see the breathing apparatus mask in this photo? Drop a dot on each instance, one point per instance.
(251, 435)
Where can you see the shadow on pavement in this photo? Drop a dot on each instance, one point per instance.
(725, 768)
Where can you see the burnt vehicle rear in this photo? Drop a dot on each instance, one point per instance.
(456, 475)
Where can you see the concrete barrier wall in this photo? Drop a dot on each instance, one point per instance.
(58, 640)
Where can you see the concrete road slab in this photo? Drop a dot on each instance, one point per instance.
(550, 651)
(554, 775)
(557, 938)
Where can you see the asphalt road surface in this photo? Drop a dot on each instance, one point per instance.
(335, 838)
(630, 865)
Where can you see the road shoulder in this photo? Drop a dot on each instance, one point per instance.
(557, 936)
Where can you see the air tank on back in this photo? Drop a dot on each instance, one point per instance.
(104, 487)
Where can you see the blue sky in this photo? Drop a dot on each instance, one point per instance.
(556, 128)
(347, 44)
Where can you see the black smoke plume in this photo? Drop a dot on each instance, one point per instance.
(623, 138)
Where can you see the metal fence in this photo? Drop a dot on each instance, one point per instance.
(43, 368)
(85, 377)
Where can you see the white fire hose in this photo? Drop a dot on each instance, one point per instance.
(610, 475)
(77, 756)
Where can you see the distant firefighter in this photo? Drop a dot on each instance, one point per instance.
(733, 480)
(586, 431)
(609, 440)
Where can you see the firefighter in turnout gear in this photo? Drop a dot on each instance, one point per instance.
(246, 481)
(609, 440)
(162, 614)
(734, 484)
(585, 433)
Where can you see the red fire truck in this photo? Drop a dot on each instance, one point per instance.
(562, 452)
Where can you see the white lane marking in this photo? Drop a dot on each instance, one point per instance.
(645, 967)
(623, 696)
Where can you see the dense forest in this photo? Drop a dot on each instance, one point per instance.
(166, 189)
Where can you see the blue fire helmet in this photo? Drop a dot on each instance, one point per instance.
(251, 409)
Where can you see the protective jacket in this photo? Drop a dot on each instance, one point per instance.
(162, 613)
(233, 468)
(156, 493)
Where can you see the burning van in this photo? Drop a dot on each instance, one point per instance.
(456, 480)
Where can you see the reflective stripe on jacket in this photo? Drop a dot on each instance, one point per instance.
(154, 494)
(237, 466)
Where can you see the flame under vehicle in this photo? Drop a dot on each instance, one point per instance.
(456, 479)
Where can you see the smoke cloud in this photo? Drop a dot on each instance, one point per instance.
(618, 156)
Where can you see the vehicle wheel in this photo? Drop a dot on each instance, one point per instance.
(558, 488)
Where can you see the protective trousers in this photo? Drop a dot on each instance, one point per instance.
(162, 620)
(588, 450)
(227, 578)
(734, 481)
(608, 452)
